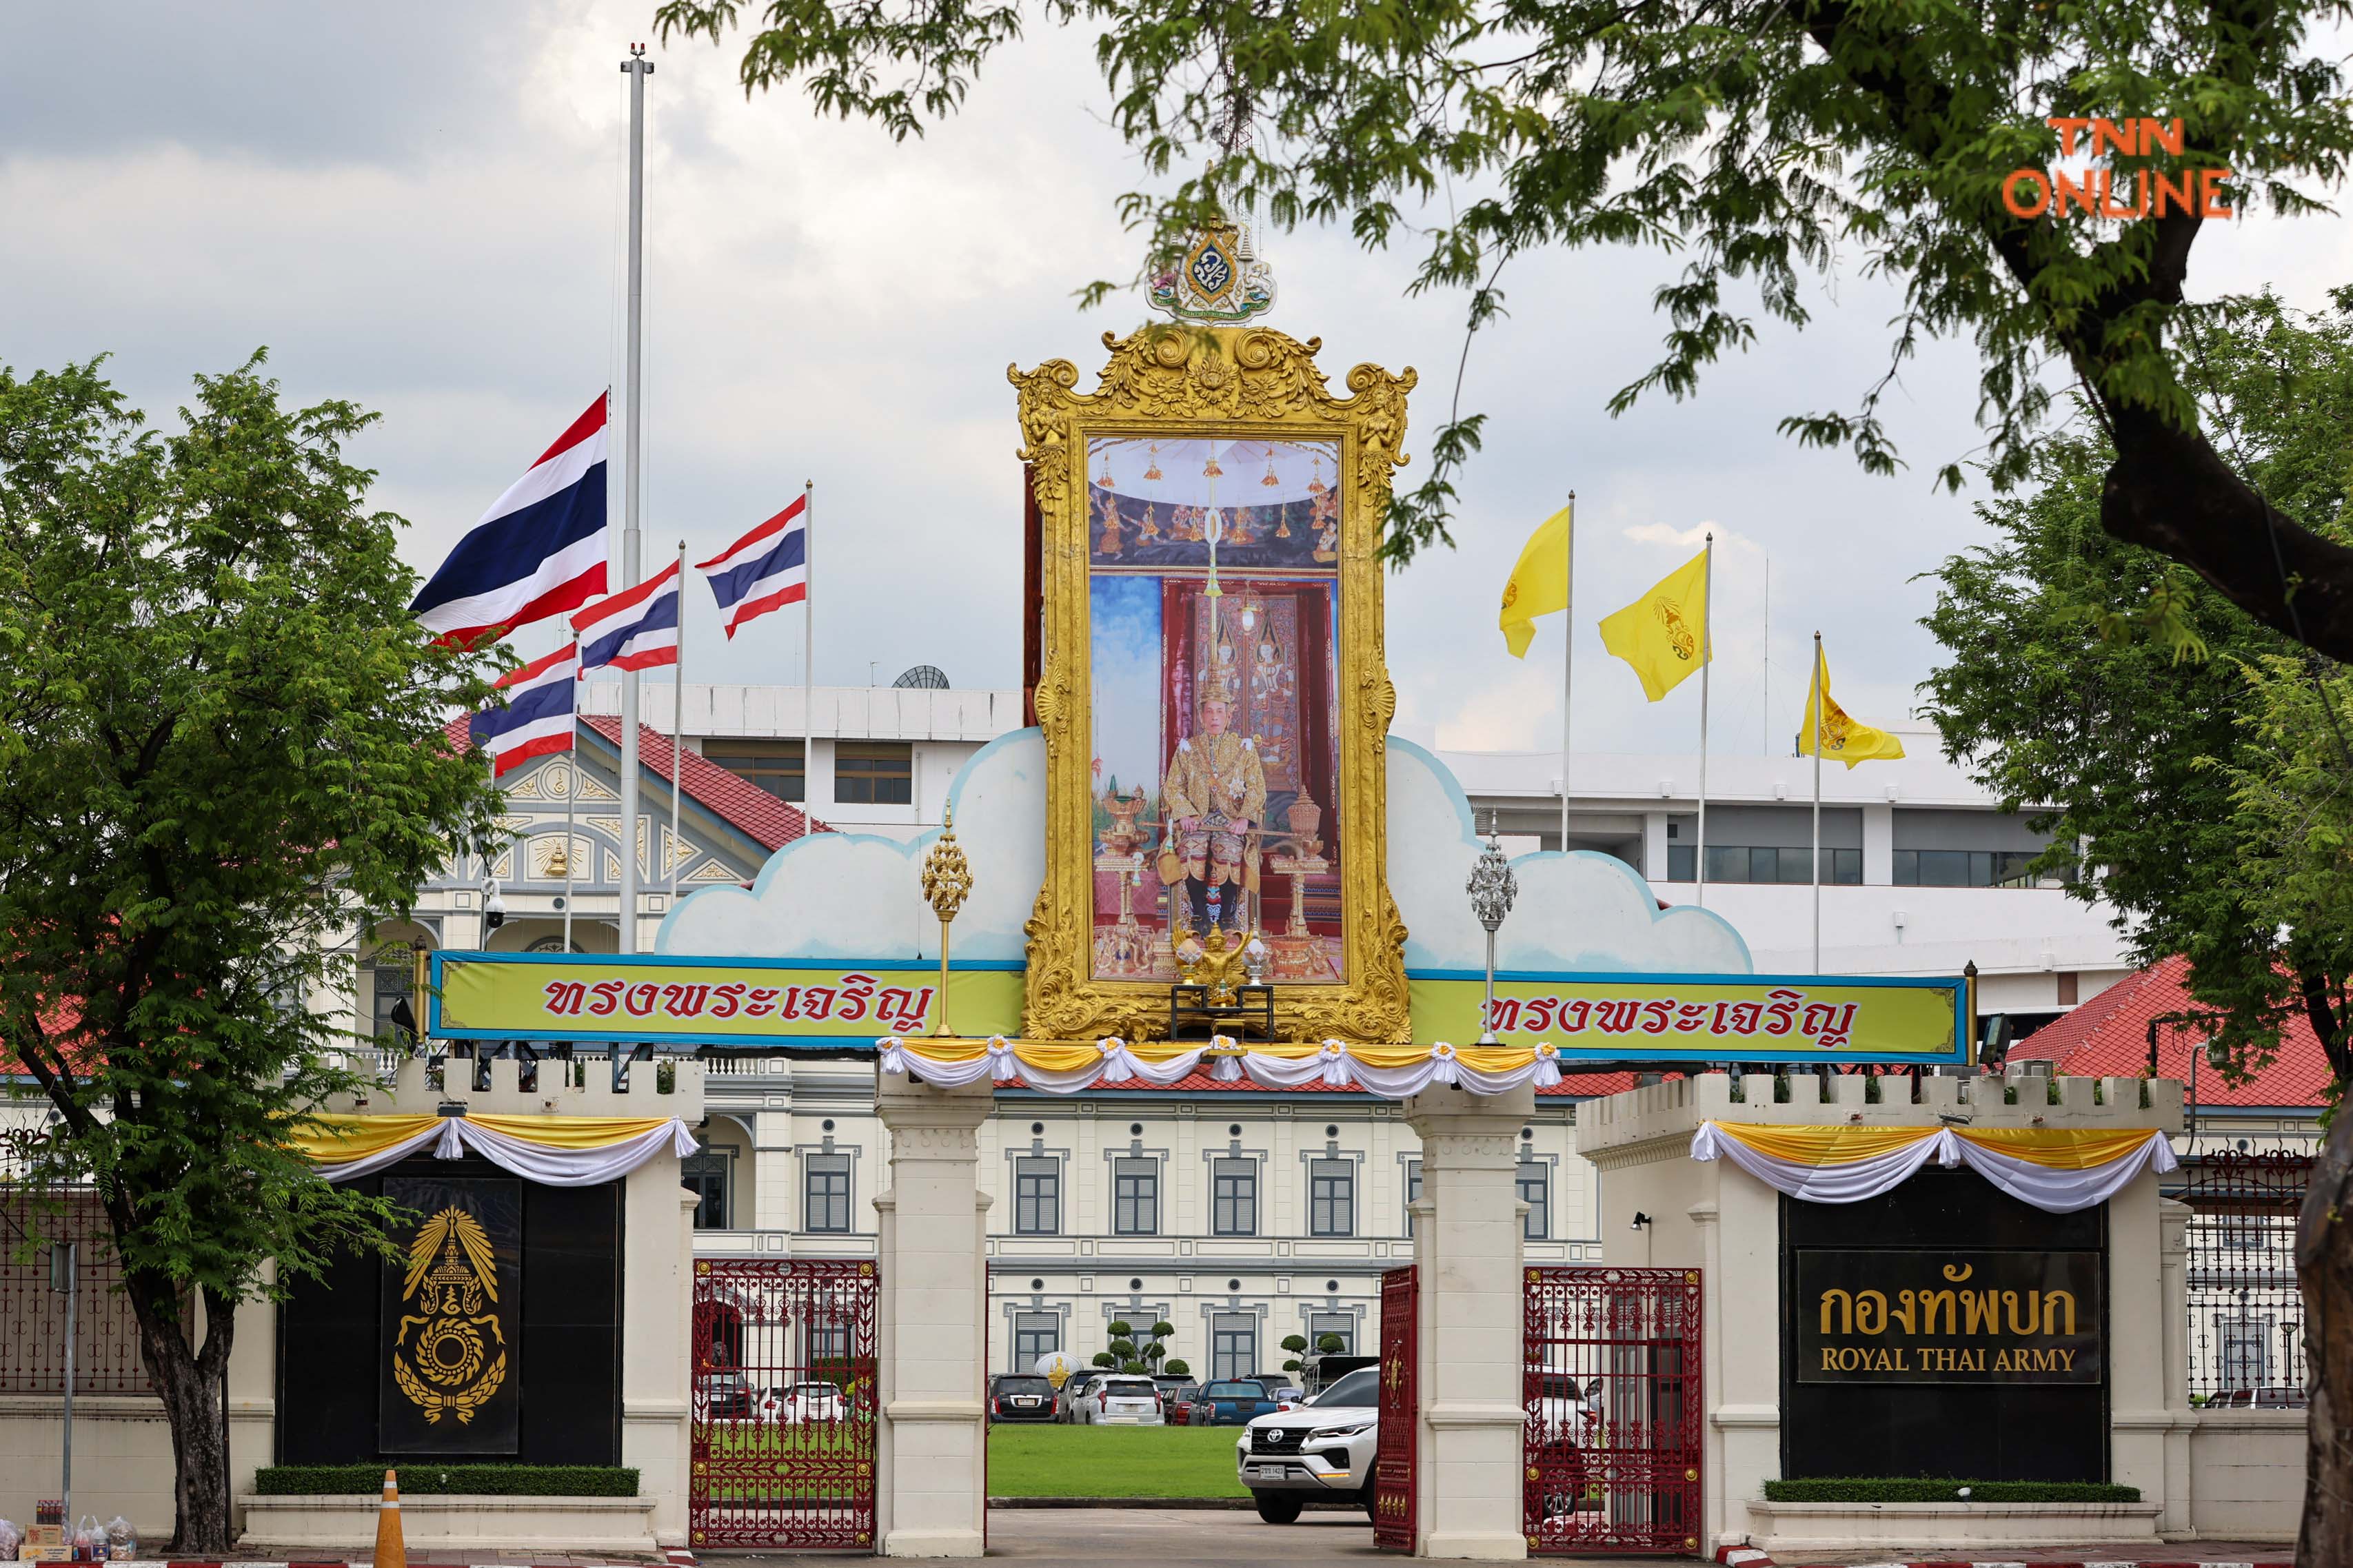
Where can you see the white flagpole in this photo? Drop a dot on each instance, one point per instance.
(638, 68)
(809, 650)
(1817, 703)
(678, 728)
(1707, 665)
(1567, 657)
(571, 793)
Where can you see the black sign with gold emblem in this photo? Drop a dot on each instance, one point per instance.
(1886, 1316)
(450, 1380)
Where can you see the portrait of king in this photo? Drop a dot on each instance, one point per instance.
(1213, 598)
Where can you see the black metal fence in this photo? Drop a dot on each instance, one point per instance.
(33, 1316)
(2246, 1316)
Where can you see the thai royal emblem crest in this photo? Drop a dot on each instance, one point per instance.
(1680, 636)
(449, 1355)
(1220, 281)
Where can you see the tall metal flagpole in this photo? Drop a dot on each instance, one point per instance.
(570, 794)
(1568, 655)
(1817, 704)
(809, 649)
(678, 730)
(1707, 664)
(637, 67)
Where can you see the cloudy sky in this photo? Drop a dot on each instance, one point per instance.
(420, 207)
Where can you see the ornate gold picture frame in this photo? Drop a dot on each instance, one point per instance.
(1209, 518)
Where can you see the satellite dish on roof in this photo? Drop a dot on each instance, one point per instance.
(927, 676)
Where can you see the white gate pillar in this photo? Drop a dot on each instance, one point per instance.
(931, 1451)
(1471, 1360)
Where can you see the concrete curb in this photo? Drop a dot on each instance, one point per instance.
(1154, 1502)
(2087, 1562)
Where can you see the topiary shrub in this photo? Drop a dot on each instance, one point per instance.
(1178, 1369)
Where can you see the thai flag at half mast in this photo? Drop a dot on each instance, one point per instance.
(765, 570)
(538, 551)
(633, 631)
(538, 717)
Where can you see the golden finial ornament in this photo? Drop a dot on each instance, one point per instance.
(948, 880)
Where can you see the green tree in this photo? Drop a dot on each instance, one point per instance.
(2089, 683)
(1758, 140)
(220, 752)
(2207, 767)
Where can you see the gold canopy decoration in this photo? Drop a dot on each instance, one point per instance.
(1253, 385)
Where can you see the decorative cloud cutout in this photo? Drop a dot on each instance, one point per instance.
(1582, 911)
(860, 895)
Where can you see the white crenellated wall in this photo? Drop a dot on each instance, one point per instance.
(2234, 1474)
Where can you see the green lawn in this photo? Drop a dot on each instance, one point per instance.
(1044, 1460)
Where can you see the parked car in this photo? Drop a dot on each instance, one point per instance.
(1176, 1395)
(1020, 1396)
(1322, 1448)
(732, 1397)
(2283, 1398)
(1074, 1388)
(1120, 1401)
(1561, 1416)
(798, 1404)
(1285, 1387)
(1232, 1402)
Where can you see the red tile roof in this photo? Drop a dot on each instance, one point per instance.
(751, 810)
(2108, 1035)
(772, 823)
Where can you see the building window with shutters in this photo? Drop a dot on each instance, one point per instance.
(874, 773)
(1233, 1345)
(704, 1174)
(1136, 1197)
(1037, 1197)
(1035, 1334)
(1536, 1191)
(1340, 1326)
(771, 765)
(1412, 1191)
(1233, 1192)
(825, 1197)
(1332, 1197)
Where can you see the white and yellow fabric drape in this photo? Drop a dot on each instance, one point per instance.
(2058, 1169)
(1394, 1071)
(553, 1150)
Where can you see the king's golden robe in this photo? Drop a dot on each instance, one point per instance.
(1211, 777)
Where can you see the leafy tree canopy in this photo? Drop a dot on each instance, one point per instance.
(2200, 766)
(1762, 141)
(220, 752)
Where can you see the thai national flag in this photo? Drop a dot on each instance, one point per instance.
(765, 570)
(539, 551)
(635, 630)
(537, 719)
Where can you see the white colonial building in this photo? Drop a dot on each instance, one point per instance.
(1241, 1217)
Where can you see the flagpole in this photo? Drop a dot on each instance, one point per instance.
(1817, 703)
(571, 793)
(678, 728)
(1568, 655)
(809, 649)
(638, 68)
(1707, 665)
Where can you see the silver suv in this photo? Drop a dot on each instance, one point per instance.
(1321, 1449)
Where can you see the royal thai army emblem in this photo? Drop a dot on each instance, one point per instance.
(1218, 282)
(449, 1355)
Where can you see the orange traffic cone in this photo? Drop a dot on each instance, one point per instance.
(391, 1552)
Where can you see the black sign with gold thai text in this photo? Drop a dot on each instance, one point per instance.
(449, 1381)
(1886, 1316)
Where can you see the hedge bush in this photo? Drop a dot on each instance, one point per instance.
(1902, 1488)
(427, 1479)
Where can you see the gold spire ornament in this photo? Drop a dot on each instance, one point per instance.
(948, 880)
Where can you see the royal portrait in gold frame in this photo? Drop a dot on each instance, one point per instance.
(1243, 685)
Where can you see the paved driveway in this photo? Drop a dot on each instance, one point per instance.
(1148, 1538)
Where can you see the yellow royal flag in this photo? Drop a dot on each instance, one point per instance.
(1538, 584)
(1843, 740)
(1663, 634)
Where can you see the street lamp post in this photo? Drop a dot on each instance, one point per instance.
(1491, 887)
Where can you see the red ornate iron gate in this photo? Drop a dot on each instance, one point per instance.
(1397, 1441)
(1612, 1389)
(784, 1401)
